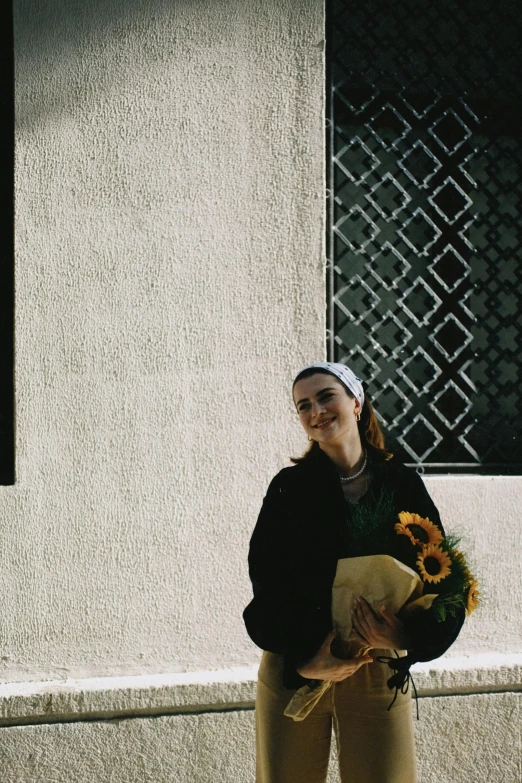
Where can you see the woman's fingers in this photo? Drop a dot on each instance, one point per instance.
(359, 635)
(353, 664)
(368, 612)
(369, 618)
(329, 639)
(325, 647)
(378, 629)
(325, 666)
(349, 667)
(363, 618)
(387, 616)
(359, 625)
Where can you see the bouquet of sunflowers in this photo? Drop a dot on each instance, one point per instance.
(441, 566)
(435, 578)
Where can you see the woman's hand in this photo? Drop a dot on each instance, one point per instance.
(325, 666)
(382, 631)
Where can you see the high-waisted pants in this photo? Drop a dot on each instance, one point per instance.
(374, 745)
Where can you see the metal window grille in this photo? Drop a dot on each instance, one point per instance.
(424, 239)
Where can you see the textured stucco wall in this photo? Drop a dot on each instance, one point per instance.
(169, 267)
(460, 739)
(484, 511)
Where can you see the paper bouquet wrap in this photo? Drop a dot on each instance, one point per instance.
(380, 579)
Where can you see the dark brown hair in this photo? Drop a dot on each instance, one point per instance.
(369, 428)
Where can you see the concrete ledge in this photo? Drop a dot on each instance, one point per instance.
(485, 673)
(224, 690)
(113, 697)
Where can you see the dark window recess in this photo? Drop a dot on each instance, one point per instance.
(424, 230)
(6, 248)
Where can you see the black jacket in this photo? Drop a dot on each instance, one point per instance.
(302, 530)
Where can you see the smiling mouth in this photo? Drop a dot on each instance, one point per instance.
(323, 424)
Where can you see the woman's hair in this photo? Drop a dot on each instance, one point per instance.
(369, 429)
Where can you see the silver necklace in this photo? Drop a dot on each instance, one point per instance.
(345, 479)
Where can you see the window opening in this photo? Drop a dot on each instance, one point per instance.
(424, 236)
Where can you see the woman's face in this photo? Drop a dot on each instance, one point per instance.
(326, 411)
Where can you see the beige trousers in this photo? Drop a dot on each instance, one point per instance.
(373, 745)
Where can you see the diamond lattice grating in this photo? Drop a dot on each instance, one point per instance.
(424, 239)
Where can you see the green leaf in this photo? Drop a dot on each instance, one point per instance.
(445, 605)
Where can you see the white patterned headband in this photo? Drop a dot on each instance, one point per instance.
(344, 374)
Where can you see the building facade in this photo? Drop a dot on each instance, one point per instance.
(170, 281)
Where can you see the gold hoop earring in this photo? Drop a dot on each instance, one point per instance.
(357, 417)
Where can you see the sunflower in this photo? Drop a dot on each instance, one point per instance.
(460, 560)
(473, 597)
(434, 563)
(421, 531)
(458, 557)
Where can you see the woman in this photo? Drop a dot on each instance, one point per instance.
(311, 517)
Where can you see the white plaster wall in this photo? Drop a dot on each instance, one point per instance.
(169, 283)
(485, 512)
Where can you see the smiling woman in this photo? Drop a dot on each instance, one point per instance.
(326, 408)
(341, 500)
(337, 388)
(333, 410)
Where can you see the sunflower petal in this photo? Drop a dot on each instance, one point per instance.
(434, 564)
(420, 530)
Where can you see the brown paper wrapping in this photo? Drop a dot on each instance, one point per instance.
(380, 579)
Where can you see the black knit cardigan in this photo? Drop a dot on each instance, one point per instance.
(301, 532)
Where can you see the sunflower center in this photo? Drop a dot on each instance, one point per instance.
(419, 533)
(432, 565)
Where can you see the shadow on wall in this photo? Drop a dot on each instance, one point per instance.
(60, 45)
(7, 475)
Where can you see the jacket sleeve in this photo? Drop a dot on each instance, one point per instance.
(430, 638)
(285, 616)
